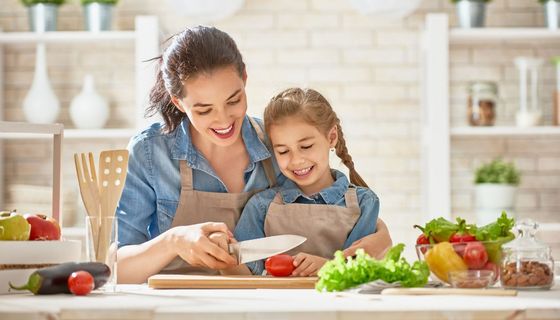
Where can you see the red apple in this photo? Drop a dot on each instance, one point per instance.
(43, 227)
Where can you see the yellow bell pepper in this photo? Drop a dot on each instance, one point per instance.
(442, 259)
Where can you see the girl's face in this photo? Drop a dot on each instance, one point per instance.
(302, 152)
(216, 105)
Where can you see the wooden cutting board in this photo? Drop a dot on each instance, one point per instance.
(449, 291)
(181, 281)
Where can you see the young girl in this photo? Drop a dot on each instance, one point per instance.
(316, 202)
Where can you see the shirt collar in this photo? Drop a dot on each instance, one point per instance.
(183, 148)
(291, 192)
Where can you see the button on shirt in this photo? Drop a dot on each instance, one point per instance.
(153, 184)
(251, 223)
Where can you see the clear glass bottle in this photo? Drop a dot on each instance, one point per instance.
(482, 104)
(526, 262)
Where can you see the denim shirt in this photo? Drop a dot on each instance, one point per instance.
(153, 184)
(251, 223)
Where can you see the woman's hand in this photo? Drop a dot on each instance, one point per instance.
(307, 264)
(376, 244)
(192, 244)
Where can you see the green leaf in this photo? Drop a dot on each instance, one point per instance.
(28, 3)
(340, 274)
(497, 171)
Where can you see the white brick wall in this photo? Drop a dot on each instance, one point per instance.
(369, 69)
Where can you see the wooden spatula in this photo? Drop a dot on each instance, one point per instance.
(113, 166)
(87, 181)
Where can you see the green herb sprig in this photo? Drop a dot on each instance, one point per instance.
(497, 171)
(29, 3)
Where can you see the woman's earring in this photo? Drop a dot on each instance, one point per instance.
(332, 149)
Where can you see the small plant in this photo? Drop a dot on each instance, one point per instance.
(29, 3)
(111, 2)
(497, 171)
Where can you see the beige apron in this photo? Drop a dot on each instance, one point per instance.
(326, 227)
(199, 206)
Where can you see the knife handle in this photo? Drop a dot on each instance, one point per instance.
(221, 239)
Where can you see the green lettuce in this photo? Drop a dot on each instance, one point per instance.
(343, 273)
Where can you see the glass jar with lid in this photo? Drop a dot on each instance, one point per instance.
(526, 262)
(482, 103)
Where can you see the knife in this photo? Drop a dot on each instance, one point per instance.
(257, 249)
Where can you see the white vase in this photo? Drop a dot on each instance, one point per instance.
(492, 199)
(41, 104)
(88, 109)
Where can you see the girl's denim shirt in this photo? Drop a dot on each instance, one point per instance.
(251, 223)
(153, 183)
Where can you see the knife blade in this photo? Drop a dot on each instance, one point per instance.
(262, 248)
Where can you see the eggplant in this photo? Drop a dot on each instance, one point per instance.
(54, 280)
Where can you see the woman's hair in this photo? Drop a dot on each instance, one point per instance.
(192, 52)
(314, 109)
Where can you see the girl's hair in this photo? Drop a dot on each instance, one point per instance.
(192, 52)
(314, 109)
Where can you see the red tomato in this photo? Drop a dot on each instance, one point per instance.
(475, 255)
(422, 239)
(280, 265)
(492, 267)
(80, 283)
(462, 237)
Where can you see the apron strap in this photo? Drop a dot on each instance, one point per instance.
(267, 163)
(351, 198)
(186, 176)
(278, 199)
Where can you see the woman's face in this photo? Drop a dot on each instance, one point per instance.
(302, 153)
(216, 105)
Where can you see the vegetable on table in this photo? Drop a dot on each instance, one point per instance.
(498, 233)
(342, 273)
(475, 255)
(53, 280)
(80, 283)
(280, 265)
(441, 229)
(442, 259)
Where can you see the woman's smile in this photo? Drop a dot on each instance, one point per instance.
(224, 133)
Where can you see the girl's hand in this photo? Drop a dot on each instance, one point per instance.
(192, 244)
(307, 265)
(376, 244)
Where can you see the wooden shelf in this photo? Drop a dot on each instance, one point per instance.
(77, 134)
(505, 131)
(478, 35)
(66, 37)
(99, 133)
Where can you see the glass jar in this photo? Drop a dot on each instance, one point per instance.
(526, 262)
(483, 98)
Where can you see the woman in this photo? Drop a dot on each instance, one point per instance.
(192, 175)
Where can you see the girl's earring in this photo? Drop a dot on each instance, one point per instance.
(332, 149)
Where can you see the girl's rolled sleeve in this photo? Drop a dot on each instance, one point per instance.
(251, 226)
(367, 222)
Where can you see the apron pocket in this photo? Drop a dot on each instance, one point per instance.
(165, 213)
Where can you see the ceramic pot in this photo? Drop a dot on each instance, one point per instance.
(98, 16)
(41, 104)
(471, 13)
(89, 110)
(42, 17)
(492, 199)
(552, 14)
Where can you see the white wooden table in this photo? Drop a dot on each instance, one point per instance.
(140, 302)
